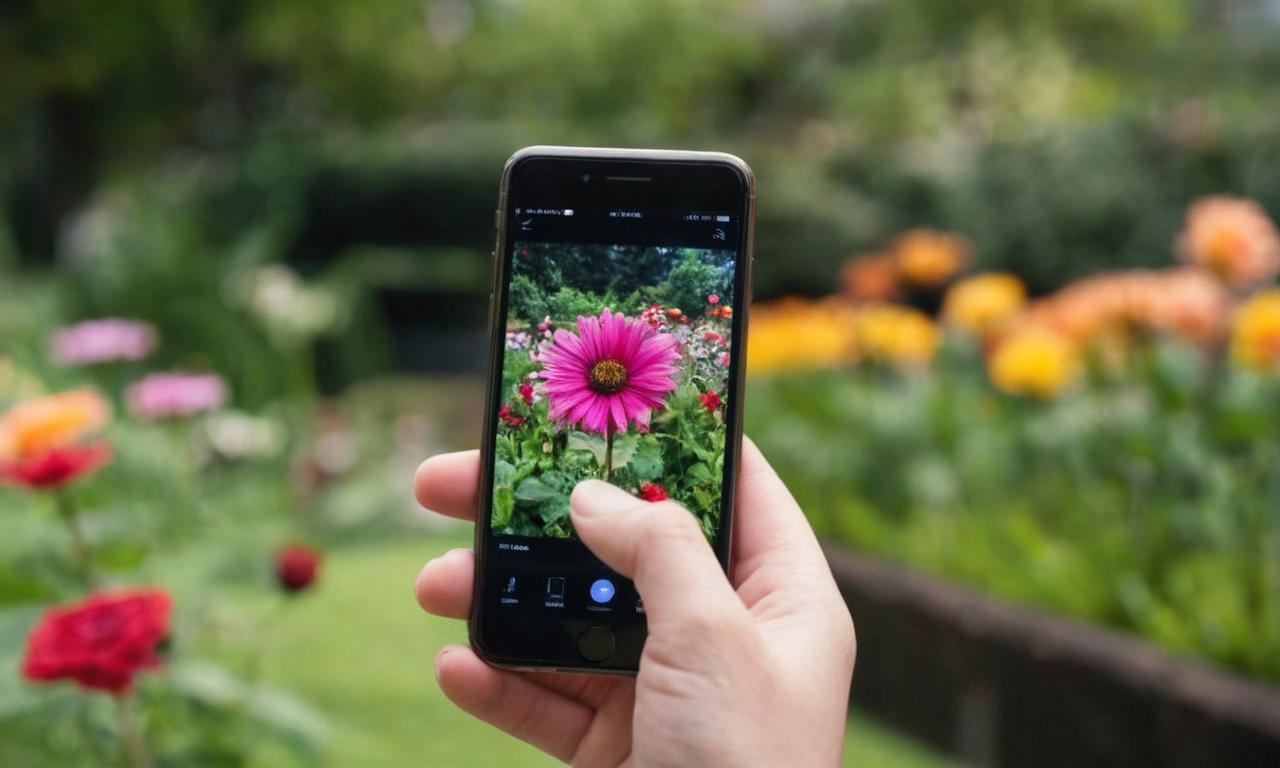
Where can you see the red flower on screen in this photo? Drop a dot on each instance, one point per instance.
(506, 415)
(100, 643)
(653, 492)
(710, 400)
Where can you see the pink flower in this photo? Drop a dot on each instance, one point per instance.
(713, 299)
(545, 324)
(103, 341)
(723, 359)
(710, 400)
(167, 395)
(713, 336)
(615, 370)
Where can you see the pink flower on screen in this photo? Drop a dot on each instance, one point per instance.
(169, 395)
(103, 341)
(614, 371)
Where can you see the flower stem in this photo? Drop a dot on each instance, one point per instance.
(608, 451)
(131, 733)
(79, 545)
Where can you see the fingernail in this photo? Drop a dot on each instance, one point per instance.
(595, 497)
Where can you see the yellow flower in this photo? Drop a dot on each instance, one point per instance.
(928, 258)
(1255, 338)
(982, 303)
(794, 334)
(36, 426)
(898, 335)
(1233, 238)
(1033, 361)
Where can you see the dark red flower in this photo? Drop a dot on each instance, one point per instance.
(710, 400)
(653, 492)
(100, 643)
(526, 393)
(297, 567)
(506, 415)
(713, 299)
(55, 467)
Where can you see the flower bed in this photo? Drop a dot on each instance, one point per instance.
(1107, 451)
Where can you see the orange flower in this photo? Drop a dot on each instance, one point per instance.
(1233, 238)
(1184, 302)
(1033, 361)
(54, 421)
(870, 278)
(1255, 337)
(927, 258)
(42, 441)
(980, 304)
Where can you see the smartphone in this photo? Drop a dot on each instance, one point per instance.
(621, 285)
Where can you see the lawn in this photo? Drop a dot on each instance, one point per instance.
(359, 650)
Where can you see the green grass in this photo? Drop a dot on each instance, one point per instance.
(359, 650)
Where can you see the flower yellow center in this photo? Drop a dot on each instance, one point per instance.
(607, 376)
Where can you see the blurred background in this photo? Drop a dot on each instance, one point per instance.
(1017, 327)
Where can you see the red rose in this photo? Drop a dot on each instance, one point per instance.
(526, 393)
(100, 643)
(296, 567)
(710, 400)
(653, 492)
(55, 467)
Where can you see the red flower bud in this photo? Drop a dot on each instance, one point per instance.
(710, 400)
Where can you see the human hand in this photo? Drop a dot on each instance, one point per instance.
(756, 673)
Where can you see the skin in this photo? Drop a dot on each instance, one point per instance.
(756, 672)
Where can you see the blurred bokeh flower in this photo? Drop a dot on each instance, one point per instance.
(871, 278)
(297, 567)
(102, 642)
(796, 334)
(291, 310)
(980, 304)
(1233, 238)
(238, 436)
(172, 395)
(927, 258)
(1187, 303)
(1033, 361)
(44, 441)
(1255, 336)
(900, 336)
(103, 341)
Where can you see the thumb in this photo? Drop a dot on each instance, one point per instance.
(660, 547)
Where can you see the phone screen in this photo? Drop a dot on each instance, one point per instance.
(618, 361)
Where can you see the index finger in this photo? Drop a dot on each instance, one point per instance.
(449, 484)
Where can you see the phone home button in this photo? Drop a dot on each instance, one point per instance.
(595, 644)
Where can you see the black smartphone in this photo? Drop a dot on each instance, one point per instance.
(621, 285)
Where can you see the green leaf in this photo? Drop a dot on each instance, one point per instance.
(533, 490)
(646, 464)
(554, 510)
(504, 473)
(698, 473)
(581, 441)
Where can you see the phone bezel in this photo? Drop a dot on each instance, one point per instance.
(668, 168)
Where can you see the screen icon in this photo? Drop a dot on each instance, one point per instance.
(555, 588)
(526, 225)
(510, 588)
(568, 211)
(717, 234)
(602, 591)
(722, 218)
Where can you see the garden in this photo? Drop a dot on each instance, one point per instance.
(1015, 335)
